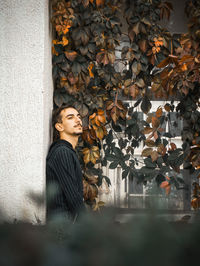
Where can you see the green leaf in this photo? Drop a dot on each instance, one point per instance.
(130, 122)
(76, 68)
(58, 98)
(111, 157)
(125, 173)
(114, 164)
(179, 160)
(118, 152)
(165, 142)
(126, 157)
(109, 138)
(138, 102)
(168, 135)
(148, 162)
(81, 108)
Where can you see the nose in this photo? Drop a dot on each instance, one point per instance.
(78, 119)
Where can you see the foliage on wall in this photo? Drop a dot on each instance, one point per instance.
(154, 64)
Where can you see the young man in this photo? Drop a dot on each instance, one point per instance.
(63, 171)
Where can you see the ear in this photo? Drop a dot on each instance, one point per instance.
(59, 127)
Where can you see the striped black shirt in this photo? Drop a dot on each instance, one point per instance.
(64, 180)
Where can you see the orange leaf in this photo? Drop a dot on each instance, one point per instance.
(184, 67)
(66, 29)
(164, 63)
(90, 70)
(54, 51)
(100, 2)
(164, 184)
(155, 49)
(64, 41)
(159, 112)
(167, 190)
(100, 132)
(155, 122)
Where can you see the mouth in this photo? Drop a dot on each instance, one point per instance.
(79, 125)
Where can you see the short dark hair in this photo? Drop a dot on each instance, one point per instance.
(57, 118)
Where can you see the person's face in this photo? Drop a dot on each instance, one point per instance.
(71, 122)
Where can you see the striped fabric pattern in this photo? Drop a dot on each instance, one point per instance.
(64, 177)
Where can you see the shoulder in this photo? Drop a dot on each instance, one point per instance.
(63, 151)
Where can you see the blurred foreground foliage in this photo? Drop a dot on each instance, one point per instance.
(99, 240)
(99, 68)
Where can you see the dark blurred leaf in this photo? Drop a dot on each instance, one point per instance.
(146, 104)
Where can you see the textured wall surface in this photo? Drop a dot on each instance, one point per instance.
(26, 104)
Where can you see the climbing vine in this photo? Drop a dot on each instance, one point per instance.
(153, 64)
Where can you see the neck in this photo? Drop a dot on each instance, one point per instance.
(71, 139)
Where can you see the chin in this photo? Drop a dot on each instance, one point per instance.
(78, 132)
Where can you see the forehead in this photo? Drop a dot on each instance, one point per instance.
(69, 111)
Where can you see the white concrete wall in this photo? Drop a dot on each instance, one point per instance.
(26, 103)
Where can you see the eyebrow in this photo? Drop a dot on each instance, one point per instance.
(72, 115)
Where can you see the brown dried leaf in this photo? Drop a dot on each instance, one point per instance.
(149, 143)
(155, 122)
(147, 130)
(154, 156)
(143, 45)
(71, 55)
(147, 152)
